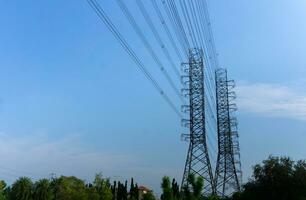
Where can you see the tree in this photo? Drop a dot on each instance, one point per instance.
(69, 188)
(134, 193)
(197, 186)
(122, 191)
(166, 189)
(193, 191)
(92, 193)
(276, 178)
(175, 189)
(114, 189)
(2, 190)
(125, 190)
(42, 190)
(148, 196)
(103, 187)
(170, 190)
(22, 189)
(55, 187)
(299, 176)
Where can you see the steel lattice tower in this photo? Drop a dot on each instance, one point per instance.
(228, 168)
(197, 162)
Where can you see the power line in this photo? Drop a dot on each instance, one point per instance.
(178, 28)
(200, 32)
(208, 50)
(166, 28)
(188, 22)
(193, 27)
(195, 36)
(149, 48)
(105, 19)
(157, 36)
(195, 20)
(203, 7)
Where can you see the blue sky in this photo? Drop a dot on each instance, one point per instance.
(73, 103)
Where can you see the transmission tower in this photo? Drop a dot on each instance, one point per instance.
(197, 162)
(228, 168)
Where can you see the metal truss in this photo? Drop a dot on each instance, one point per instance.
(197, 162)
(228, 169)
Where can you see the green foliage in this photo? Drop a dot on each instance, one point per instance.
(103, 187)
(277, 178)
(194, 191)
(148, 196)
(2, 190)
(70, 188)
(170, 189)
(134, 193)
(167, 189)
(42, 190)
(175, 190)
(212, 197)
(197, 185)
(22, 189)
(2, 185)
(92, 193)
(122, 191)
(2, 196)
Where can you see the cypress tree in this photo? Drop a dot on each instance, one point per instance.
(125, 191)
(136, 192)
(175, 189)
(114, 187)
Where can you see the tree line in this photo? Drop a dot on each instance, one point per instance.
(70, 188)
(277, 178)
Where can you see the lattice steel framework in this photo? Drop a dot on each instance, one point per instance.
(197, 162)
(228, 169)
